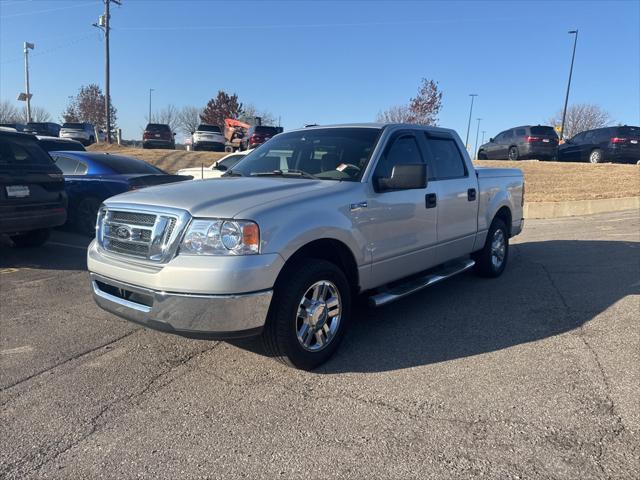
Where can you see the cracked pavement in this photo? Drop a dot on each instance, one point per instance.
(532, 375)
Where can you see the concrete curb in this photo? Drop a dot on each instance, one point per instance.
(579, 207)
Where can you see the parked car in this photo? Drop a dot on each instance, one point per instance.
(92, 177)
(158, 135)
(208, 137)
(611, 144)
(55, 144)
(83, 132)
(529, 141)
(32, 195)
(49, 129)
(280, 250)
(216, 169)
(257, 135)
(18, 127)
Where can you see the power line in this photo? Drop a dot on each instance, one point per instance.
(55, 48)
(48, 10)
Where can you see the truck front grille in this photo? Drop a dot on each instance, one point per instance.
(144, 235)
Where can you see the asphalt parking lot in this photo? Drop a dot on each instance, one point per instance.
(532, 375)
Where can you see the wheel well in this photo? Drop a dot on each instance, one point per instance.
(331, 250)
(504, 214)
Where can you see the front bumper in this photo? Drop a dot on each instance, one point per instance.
(189, 315)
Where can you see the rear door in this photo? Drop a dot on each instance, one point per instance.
(457, 190)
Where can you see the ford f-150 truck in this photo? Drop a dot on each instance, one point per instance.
(280, 245)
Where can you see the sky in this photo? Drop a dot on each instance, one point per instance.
(331, 61)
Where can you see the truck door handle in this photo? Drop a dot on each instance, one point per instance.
(471, 194)
(430, 200)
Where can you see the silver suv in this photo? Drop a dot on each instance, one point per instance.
(83, 132)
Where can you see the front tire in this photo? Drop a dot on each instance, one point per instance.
(492, 259)
(34, 238)
(514, 155)
(309, 314)
(596, 156)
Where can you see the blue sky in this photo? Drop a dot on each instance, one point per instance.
(331, 61)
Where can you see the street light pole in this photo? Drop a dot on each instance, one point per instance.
(150, 90)
(475, 151)
(466, 142)
(566, 98)
(483, 132)
(27, 46)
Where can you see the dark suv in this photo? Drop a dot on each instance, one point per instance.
(257, 135)
(48, 129)
(158, 135)
(611, 144)
(32, 195)
(537, 141)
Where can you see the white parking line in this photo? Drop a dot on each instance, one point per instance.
(13, 351)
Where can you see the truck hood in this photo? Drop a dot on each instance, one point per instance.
(223, 197)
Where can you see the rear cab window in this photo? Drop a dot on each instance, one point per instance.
(445, 159)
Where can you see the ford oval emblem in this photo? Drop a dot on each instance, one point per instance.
(123, 232)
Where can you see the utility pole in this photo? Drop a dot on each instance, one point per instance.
(466, 142)
(150, 90)
(27, 46)
(566, 98)
(103, 24)
(475, 151)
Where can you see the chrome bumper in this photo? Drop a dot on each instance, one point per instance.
(189, 315)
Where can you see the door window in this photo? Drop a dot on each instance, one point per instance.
(66, 164)
(403, 150)
(446, 160)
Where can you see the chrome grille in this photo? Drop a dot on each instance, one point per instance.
(144, 235)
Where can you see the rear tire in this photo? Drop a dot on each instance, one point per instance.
(596, 156)
(492, 259)
(309, 314)
(514, 155)
(35, 238)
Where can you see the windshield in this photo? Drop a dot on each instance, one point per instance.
(327, 154)
(208, 128)
(230, 161)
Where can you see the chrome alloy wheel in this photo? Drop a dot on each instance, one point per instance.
(498, 248)
(318, 317)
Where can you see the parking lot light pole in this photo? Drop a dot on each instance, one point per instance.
(475, 151)
(466, 141)
(27, 46)
(566, 98)
(150, 90)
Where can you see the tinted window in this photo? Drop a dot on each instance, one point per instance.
(66, 164)
(328, 153)
(209, 128)
(445, 159)
(60, 145)
(628, 131)
(125, 165)
(520, 132)
(403, 150)
(262, 130)
(499, 137)
(540, 130)
(157, 127)
(578, 138)
(75, 126)
(19, 152)
(508, 134)
(230, 161)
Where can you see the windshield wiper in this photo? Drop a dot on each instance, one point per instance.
(285, 173)
(231, 173)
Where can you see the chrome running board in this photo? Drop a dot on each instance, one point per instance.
(415, 284)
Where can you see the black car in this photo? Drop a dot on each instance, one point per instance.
(529, 141)
(49, 129)
(158, 135)
(32, 195)
(611, 144)
(257, 135)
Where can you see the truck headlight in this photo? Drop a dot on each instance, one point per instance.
(221, 237)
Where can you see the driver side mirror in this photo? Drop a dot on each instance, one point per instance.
(404, 177)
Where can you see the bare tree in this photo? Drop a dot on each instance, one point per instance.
(250, 112)
(38, 114)
(189, 119)
(9, 113)
(581, 117)
(395, 114)
(422, 109)
(168, 115)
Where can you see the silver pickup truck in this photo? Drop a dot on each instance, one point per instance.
(282, 243)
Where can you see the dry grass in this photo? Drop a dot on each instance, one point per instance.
(559, 181)
(546, 181)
